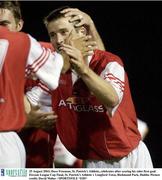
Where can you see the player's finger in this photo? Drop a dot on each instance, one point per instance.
(48, 113)
(89, 49)
(79, 23)
(51, 117)
(88, 53)
(65, 47)
(78, 17)
(88, 37)
(90, 43)
(68, 14)
(71, 10)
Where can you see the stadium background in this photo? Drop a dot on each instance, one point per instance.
(132, 30)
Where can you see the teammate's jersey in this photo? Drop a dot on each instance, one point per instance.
(39, 147)
(21, 55)
(84, 126)
(38, 143)
(34, 81)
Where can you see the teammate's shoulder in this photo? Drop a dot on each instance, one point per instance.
(4, 31)
(106, 53)
(46, 45)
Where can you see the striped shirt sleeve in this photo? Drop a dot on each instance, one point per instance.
(39, 96)
(44, 64)
(115, 75)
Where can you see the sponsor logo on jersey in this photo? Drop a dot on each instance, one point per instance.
(80, 104)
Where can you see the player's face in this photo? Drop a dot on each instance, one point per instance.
(61, 31)
(7, 19)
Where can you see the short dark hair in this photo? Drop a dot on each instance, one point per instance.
(14, 7)
(55, 14)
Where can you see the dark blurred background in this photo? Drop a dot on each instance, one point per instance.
(132, 30)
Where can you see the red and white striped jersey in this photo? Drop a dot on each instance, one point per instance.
(21, 55)
(84, 126)
(39, 143)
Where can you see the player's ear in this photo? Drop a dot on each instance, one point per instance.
(20, 25)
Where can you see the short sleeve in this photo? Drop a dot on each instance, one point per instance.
(115, 75)
(44, 63)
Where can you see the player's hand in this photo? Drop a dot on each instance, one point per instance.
(76, 58)
(40, 120)
(77, 15)
(85, 44)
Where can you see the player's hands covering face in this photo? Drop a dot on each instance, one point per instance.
(85, 44)
(76, 58)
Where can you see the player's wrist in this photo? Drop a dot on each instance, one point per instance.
(84, 72)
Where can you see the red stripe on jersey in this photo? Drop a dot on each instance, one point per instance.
(115, 80)
(44, 87)
(40, 64)
(30, 67)
(34, 65)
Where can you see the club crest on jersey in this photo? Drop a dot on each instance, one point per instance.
(80, 104)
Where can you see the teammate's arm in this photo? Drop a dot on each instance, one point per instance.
(40, 120)
(44, 64)
(37, 118)
(27, 105)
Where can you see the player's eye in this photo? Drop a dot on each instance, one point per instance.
(52, 35)
(64, 32)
